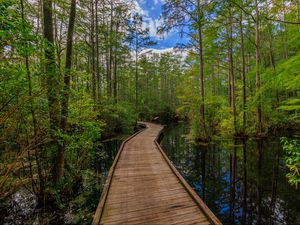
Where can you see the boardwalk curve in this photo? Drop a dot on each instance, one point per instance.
(143, 187)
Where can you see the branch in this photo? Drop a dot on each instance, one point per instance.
(282, 21)
(247, 13)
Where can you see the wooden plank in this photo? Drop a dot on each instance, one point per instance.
(140, 209)
(155, 193)
(143, 187)
(105, 190)
(162, 216)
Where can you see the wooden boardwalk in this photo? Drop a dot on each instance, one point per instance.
(143, 187)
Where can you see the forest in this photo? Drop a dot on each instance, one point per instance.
(75, 74)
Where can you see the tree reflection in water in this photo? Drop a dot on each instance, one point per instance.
(241, 181)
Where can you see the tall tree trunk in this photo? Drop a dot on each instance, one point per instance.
(201, 74)
(108, 72)
(115, 78)
(136, 68)
(52, 79)
(298, 11)
(115, 87)
(136, 78)
(259, 128)
(98, 87)
(66, 90)
(110, 48)
(243, 72)
(230, 69)
(68, 65)
(285, 38)
(92, 37)
(32, 111)
(272, 57)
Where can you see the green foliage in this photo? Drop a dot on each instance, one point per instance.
(292, 106)
(10, 22)
(14, 30)
(81, 208)
(292, 149)
(167, 115)
(119, 118)
(196, 131)
(105, 79)
(286, 81)
(278, 96)
(158, 78)
(225, 126)
(188, 93)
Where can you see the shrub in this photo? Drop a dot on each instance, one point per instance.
(292, 148)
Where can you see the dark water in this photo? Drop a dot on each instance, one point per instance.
(241, 182)
(21, 207)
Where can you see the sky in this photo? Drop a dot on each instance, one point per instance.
(151, 10)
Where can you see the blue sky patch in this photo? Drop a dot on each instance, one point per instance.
(151, 11)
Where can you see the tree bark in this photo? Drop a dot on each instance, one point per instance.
(259, 128)
(298, 11)
(52, 79)
(92, 40)
(110, 49)
(272, 57)
(115, 86)
(230, 70)
(98, 87)
(68, 65)
(115, 78)
(243, 73)
(136, 78)
(201, 74)
(59, 164)
(32, 111)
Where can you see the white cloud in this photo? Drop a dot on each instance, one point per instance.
(152, 28)
(181, 53)
(156, 2)
(153, 24)
(138, 9)
(159, 51)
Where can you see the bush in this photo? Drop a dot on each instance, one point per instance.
(119, 118)
(167, 115)
(292, 148)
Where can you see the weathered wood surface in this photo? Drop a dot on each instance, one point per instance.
(143, 187)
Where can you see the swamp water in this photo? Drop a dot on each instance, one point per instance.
(20, 208)
(241, 182)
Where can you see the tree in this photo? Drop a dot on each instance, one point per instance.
(189, 17)
(139, 39)
(52, 83)
(244, 95)
(259, 128)
(231, 77)
(66, 90)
